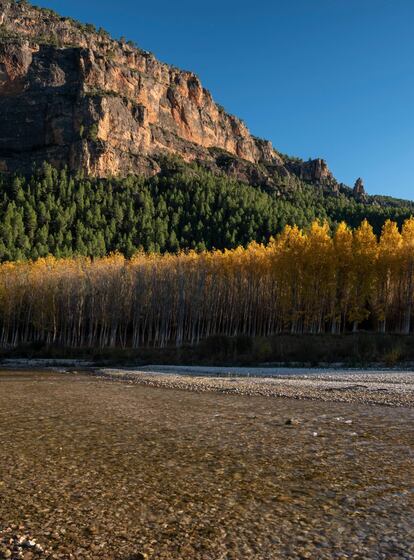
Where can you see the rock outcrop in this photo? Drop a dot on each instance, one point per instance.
(314, 171)
(359, 190)
(71, 95)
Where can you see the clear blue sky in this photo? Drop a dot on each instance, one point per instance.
(328, 78)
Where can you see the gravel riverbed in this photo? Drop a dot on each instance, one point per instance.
(386, 387)
(92, 469)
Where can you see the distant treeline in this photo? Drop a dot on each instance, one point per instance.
(184, 207)
(301, 282)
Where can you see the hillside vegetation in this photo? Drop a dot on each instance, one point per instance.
(185, 207)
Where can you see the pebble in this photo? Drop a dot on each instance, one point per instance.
(292, 422)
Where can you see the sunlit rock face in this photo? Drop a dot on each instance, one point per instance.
(71, 95)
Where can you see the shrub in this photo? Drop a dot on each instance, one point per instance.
(393, 357)
(93, 132)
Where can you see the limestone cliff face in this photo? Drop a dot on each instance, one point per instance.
(71, 95)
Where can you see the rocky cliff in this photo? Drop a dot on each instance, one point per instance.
(71, 95)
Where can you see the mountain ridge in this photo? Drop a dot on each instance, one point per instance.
(82, 99)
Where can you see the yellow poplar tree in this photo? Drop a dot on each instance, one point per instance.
(363, 286)
(407, 291)
(388, 271)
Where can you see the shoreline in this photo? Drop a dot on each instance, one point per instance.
(389, 388)
(374, 386)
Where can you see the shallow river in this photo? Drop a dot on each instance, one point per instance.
(92, 468)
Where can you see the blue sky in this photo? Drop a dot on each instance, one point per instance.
(320, 78)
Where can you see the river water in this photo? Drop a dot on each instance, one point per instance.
(92, 468)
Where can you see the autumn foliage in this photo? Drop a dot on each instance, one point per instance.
(311, 281)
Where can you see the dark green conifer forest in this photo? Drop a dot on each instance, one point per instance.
(184, 207)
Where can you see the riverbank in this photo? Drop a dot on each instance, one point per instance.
(362, 349)
(386, 386)
(370, 386)
(100, 470)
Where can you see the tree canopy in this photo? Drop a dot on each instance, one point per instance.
(186, 207)
(302, 281)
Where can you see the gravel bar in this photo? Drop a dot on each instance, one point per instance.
(383, 387)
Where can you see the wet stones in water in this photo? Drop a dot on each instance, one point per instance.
(15, 546)
(292, 422)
